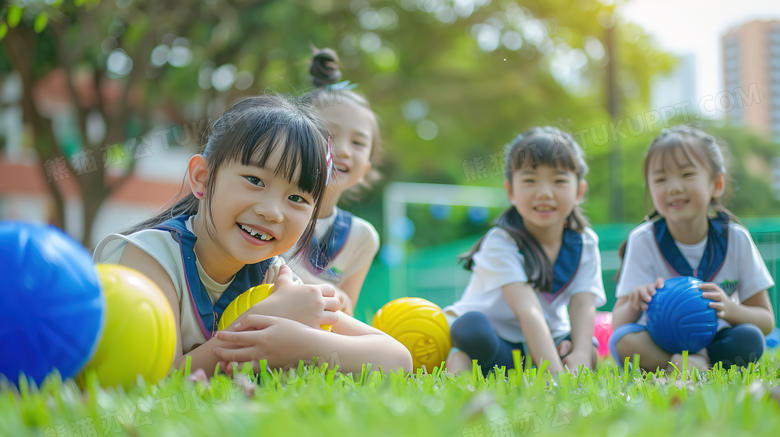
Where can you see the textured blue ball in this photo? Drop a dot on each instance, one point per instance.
(679, 318)
(51, 302)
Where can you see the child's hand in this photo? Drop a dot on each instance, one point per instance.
(576, 359)
(724, 306)
(346, 302)
(312, 305)
(643, 294)
(277, 340)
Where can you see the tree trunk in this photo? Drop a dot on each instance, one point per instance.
(19, 48)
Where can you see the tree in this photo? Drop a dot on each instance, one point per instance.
(114, 43)
(467, 76)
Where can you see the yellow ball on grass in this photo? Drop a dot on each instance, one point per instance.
(419, 325)
(140, 333)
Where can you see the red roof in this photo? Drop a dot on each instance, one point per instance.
(51, 92)
(19, 179)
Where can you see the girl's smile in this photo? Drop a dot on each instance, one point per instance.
(678, 203)
(256, 234)
(544, 209)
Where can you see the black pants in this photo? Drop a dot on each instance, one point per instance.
(737, 346)
(473, 334)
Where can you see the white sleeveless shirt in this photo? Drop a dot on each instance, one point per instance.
(161, 246)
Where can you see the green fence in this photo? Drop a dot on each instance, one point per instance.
(434, 274)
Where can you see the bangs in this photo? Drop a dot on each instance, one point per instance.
(263, 132)
(543, 149)
(667, 151)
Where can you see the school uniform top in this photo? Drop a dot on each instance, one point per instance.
(727, 257)
(343, 245)
(201, 299)
(499, 262)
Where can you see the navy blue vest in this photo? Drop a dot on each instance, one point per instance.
(207, 312)
(566, 263)
(321, 254)
(714, 253)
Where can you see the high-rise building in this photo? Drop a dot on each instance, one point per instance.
(751, 63)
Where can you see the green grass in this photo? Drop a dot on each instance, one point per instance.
(315, 400)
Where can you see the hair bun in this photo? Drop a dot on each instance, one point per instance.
(324, 67)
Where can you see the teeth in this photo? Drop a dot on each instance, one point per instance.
(341, 168)
(256, 234)
(544, 208)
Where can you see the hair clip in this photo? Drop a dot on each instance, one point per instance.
(344, 85)
(329, 163)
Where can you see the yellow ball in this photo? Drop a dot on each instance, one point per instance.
(244, 301)
(419, 325)
(140, 332)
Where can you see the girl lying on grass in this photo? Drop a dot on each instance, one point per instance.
(253, 192)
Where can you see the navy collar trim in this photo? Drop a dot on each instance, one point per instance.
(208, 313)
(714, 253)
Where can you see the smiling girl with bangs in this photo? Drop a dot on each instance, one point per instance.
(691, 233)
(536, 276)
(252, 193)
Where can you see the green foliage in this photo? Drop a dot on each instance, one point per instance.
(316, 400)
(14, 16)
(40, 22)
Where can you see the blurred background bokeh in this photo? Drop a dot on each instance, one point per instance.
(103, 102)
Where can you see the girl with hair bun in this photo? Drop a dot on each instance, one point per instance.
(536, 276)
(343, 246)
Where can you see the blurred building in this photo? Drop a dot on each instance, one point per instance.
(677, 87)
(25, 185)
(751, 61)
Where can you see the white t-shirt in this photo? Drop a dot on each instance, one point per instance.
(742, 275)
(499, 262)
(359, 249)
(161, 246)
(693, 253)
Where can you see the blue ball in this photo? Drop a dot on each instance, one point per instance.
(51, 302)
(679, 318)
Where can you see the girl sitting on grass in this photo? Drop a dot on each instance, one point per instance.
(536, 276)
(690, 233)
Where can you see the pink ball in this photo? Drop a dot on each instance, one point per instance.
(602, 330)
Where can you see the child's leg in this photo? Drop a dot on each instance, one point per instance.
(458, 361)
(651, 356)
(737, 346)
(701, 363)
(473, 334)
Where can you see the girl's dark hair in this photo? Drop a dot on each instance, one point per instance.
(550, 147)
(249, 132)
(694, 144)
(325, 72)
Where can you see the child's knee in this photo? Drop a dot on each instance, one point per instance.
(458, 361)
(745, 345)
(469, 329)
(629, 344)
